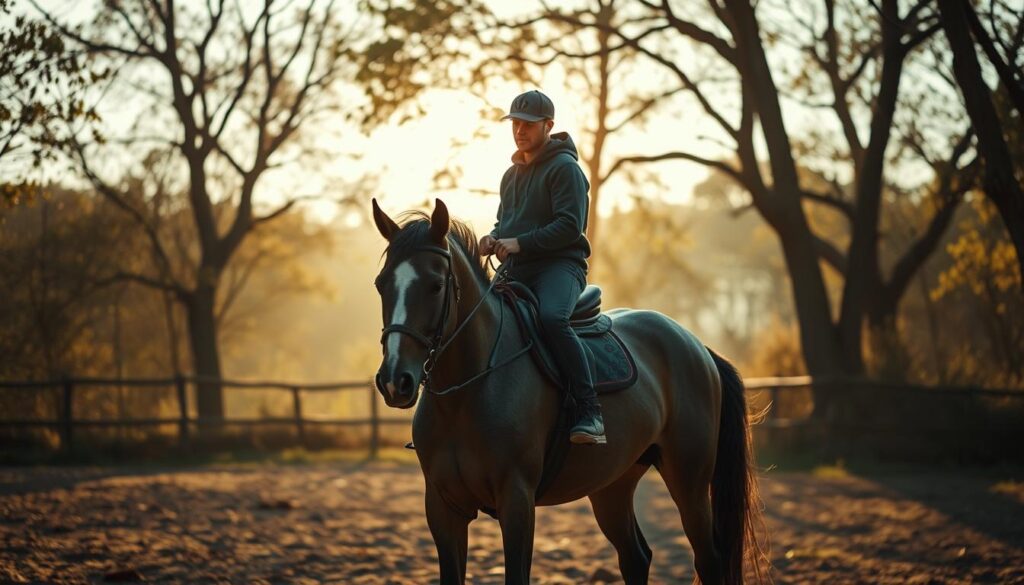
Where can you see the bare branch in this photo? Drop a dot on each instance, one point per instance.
(237, 283)
(143, 41)
(691, 30)
(142, 279)
(92, 46)
(283, 209)
(830, 254)
(866, 58)
(247, 70)
(911, 19)
(921, 249)
(306, 18)
(557, 53)
(661, 60)
(227, 156)
(830, 201)
(716, 164)
(921, 36)
(309, 82)
(1006, 74)
(200, 81)
(112, 194)
(644, 108)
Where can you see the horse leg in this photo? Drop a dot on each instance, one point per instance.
(450, 529)
(516, 516)
(688, 479)
(613, 508)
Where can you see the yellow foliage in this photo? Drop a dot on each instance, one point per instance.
(980, 265)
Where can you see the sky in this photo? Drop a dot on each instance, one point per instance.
(407, 156)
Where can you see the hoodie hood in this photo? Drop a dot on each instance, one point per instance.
(544, 204)
(559, 142)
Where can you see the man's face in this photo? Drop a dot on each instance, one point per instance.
(530, 136)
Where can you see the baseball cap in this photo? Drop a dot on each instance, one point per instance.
(531, 106)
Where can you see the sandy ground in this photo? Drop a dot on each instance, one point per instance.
(348, 523)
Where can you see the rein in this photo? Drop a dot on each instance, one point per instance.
(435, 345)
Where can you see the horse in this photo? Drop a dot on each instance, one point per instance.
(480, 428)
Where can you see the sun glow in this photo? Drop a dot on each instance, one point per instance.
(458, 151)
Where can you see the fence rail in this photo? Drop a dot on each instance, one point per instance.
(66, 422)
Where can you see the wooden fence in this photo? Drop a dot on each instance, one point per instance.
(767, 391)
(66, 421)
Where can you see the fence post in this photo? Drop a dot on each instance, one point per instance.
(67, 412)
(297, 404)
(374, 423)
(179, 383)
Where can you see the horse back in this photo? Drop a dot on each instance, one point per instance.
(677, 388)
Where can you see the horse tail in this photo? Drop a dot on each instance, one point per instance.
(735, 502)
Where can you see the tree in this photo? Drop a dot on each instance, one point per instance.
(226, 89)
(41, 85)
(732, 33)
(1002, 179)
(842, 57)
(53, 251)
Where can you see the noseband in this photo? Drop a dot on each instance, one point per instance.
(434, 345)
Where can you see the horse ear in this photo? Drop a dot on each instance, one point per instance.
(385, 225)
(439, 222)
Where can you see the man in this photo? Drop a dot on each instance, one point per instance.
(541, 219)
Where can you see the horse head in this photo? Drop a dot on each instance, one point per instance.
(418, 297)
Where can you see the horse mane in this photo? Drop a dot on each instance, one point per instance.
(415, 225)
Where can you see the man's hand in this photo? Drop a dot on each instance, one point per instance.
(506, 246)
(487, 245)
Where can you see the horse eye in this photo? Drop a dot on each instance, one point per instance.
(437, 288)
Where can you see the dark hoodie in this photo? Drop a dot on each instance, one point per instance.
(544, 204)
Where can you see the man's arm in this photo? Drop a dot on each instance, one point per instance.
(494, 232)
(569, 204)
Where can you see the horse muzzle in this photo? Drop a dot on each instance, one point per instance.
(400, 390)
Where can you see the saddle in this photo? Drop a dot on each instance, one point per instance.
(612, 367)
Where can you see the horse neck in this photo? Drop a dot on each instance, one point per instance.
(470, 349)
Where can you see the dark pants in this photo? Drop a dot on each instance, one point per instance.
(558, 284)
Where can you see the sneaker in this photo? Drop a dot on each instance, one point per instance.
(589, 429)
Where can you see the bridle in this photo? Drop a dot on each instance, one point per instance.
(432, 343)
(436, 345)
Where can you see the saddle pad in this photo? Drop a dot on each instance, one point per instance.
(611, 364)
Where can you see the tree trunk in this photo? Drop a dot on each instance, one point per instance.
(172, 333)
(202, 331)
(862, 259)
(781, 205)
(889, 357)
(592, 219)
(1000, 183)
(600, 133)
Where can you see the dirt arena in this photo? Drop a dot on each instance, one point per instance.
(349, 523)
